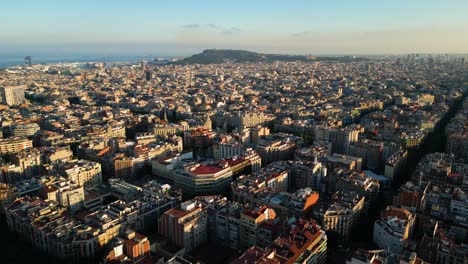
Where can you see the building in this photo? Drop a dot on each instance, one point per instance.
(14, 145)
(8, 194)
(308, 174)
(257, 255)
(342, 161)
(393, 229)
(12, 95)
(410, 196)
(255, 161)
(270, 189)
(256, 133)
(132, 248)
(341, 139)
(185, 227)
(115, 131)
(145, 138)
(125, 167)
(64, 192)
(44, 224)
(250, 119)
(163, 167)
(274, 178)
(304, 128)
(395, 164)
(200, 140)
(457, 143)
(30, 162)
(449, 251)
(250, 221)
(277, 147)
(305, 242)
(302, 242)
(113, 219)
(11, 173)
(148, 75)
(370, 152)
(223, 220)
(200, 179)
(164, 130)
(24, 130)
(340, 217)
(362, 256)
(318, 150)
(82, 172)
(356, 181)
(51, 155)
(228, 150)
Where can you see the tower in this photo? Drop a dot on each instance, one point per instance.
(208, 124)
(27, 60)
(165, 114)
(148, 75)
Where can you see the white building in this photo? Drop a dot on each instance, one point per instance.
(393, 229)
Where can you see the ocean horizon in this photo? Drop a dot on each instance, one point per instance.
(15, 60)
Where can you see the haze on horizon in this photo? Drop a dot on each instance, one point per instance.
(185, 27)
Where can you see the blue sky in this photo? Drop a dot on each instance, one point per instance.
(182, 27)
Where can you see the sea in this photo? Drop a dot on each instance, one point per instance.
(14, 60)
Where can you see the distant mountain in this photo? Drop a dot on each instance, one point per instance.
(213, 56)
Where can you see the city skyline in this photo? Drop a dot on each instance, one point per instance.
(185, 27)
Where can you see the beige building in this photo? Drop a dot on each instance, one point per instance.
(55, 154)
(164, 130)
(341, 139)
(124, 167)
(250, 119)
(343, 213)
(276, 147)
(12, 95)
(24, 130)
(82, 172)
(29, 161)
(14, 145)
(64, 192)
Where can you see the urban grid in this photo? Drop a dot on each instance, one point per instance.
(281, 162)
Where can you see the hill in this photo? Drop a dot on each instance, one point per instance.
(214, 56)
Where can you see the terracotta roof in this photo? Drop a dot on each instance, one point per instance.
(206, 169)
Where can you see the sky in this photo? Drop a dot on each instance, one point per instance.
(184, 27)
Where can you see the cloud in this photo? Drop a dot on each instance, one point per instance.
(301, 34)
(231, 31)
(191, 26)
(211, 28)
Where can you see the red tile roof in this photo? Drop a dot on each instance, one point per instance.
(206, 169)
